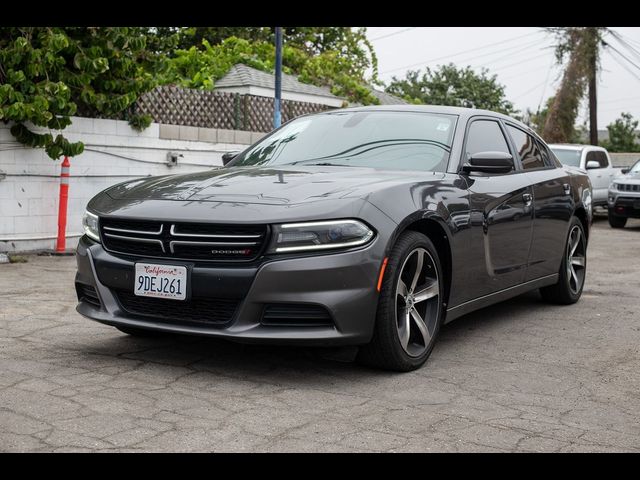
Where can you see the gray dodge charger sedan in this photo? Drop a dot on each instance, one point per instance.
(368, 226)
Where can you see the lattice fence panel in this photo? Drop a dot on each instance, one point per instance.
(211, 109)
(197, 108)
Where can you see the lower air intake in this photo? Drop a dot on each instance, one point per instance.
(296, 315)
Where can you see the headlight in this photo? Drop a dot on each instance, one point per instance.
(614, 186)
(299, 237)
(90, 226)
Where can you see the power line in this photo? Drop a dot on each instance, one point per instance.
(391, 34)
(525, 46)
(622, 55)
(625, 67)
(521, 62)
(505, 57)
(459, 53)
(526, 72)
(530, 90)
(625, 44)
(620, 37)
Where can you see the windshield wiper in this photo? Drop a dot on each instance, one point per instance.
(328, 164)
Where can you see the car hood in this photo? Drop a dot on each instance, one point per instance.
(270, 186)
(628, 179)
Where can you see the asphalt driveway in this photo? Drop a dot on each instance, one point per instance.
(519, 376)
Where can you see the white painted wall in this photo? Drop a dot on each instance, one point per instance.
(29, 179)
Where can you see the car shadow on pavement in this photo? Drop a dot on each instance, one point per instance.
(241, 360)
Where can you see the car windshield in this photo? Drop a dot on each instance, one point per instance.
(635, 168)
(377, 139)
(570, 157)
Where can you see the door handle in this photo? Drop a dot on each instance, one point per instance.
(527, 199)
(567, 188)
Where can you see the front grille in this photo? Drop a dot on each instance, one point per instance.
(625, 187)
(88, 294)
(182, 240)
(297, 315)
(197, 310)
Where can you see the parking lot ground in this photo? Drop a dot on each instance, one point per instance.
(518, 376)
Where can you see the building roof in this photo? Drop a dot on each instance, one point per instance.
(387, 99)
(241, 75)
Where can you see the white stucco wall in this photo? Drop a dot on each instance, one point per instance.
(29, 179)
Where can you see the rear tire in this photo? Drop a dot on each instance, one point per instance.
(573, 269)
(410, 307)
(139, 332)
(616, 221)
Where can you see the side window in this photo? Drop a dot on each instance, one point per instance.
(599, 157)
(548, 158)
(485, 136)
(530, 153)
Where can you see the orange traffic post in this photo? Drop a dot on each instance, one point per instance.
(62, 206)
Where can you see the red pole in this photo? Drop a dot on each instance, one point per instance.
(62, 206)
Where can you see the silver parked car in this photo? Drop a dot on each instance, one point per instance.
(624, 196)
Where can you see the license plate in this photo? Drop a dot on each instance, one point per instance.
(160, 281)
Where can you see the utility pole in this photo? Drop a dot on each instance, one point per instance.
(277, 118)
(593, 70)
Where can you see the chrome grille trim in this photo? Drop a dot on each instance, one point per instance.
(136, 239)
(203, 235)
(212, 244)
(135, 232)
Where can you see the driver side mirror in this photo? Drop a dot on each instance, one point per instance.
(624, 171)
(227, 157)
(591, 164)
(489, 162)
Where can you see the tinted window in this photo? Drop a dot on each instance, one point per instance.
(485, 136)
(530, 154)
(547, 156)
(599, 157)
(378, 139)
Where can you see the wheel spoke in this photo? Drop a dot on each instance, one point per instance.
(428, 292)
(575, 244)
(402, 289)
(575, 277)
(404, 329)
(416, 276)
(422, 327)
(578, 261)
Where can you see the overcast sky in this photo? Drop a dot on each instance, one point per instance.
(522, 57)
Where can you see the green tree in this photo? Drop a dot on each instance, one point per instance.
(48, 74)
(450, 85)
(623, 135)
(337, 57)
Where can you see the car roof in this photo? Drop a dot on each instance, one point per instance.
(442, 109)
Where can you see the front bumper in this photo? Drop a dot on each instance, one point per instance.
(624, 203)
(342, 283)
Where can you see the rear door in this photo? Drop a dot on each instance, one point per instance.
(501, 213)
(552, 203)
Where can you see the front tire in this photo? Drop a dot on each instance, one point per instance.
(573, 269)
(410, 306)
(616, 221)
